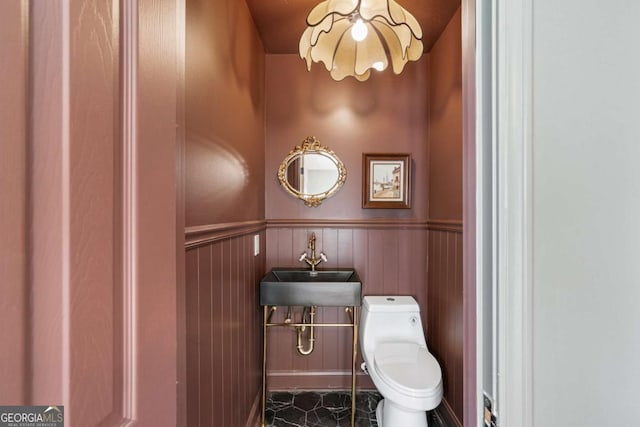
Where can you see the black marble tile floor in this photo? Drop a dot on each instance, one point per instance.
(325, 409)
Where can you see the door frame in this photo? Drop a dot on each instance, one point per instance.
(498, 209)
(470, 114)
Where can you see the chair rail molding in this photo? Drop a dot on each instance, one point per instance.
(372, 223)
(204, 234)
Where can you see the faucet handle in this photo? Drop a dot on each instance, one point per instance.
(323, 257)
(303, 256)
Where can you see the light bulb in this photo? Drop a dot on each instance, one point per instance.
(359, 30)
(378, 65)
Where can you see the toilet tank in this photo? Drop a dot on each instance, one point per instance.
(389, 318)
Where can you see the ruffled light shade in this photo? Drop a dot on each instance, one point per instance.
(393, 35)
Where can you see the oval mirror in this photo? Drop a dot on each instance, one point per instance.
(312, 172)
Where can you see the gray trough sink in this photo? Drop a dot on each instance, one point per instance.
(339, 287)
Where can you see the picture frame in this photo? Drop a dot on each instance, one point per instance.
(386, 181)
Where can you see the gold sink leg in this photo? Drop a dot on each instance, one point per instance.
(354, 361)
(264, 366)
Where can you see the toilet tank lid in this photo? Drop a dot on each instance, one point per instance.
(390, 303)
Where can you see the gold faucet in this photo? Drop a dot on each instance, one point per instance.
(312, 260)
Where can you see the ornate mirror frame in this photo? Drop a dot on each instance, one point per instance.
(311, 145)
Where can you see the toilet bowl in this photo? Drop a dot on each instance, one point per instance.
(395, 352)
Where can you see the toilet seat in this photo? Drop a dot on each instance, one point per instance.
(408, 368)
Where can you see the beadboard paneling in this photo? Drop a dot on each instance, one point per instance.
(390, 260)
(223, 330)
(444, 318)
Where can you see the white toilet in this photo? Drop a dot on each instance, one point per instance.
(395, 352)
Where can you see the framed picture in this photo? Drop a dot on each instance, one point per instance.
(386, 181)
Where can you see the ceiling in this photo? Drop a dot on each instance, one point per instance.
(281, 22)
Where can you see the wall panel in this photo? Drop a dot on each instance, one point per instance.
(224, 328)
(390, 259)
(445, 314)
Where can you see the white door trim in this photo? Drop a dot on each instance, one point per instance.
(513, 106)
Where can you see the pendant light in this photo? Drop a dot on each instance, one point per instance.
(351, 37)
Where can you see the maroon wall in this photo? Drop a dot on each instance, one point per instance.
(444, 295)
(445, 118)
(387, 113)
(224, 103)
(224, 209)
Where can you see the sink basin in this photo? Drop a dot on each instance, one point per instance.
(298, 287)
